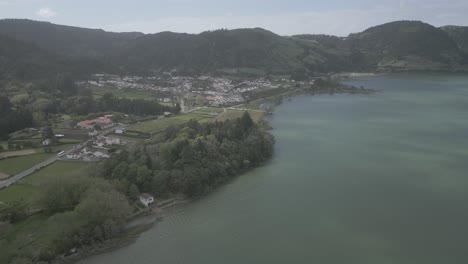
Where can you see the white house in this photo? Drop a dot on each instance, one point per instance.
(74, 155)
(46, 142)
(92, 134)
(146, 199)
(167, 100)
(120, 130)
(112, 141)
(99, 154)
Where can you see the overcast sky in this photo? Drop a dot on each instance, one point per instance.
(285, 17)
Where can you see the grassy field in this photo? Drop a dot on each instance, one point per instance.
(26, 189)
(233, 114)
(207, 110)
(12, 166)
(154, 126)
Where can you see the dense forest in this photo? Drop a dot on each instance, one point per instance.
(12, 119)
(194, 159)
(87, 209)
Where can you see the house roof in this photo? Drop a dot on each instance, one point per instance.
(146, 196)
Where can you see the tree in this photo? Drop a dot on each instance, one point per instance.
(101, 204)
(133, 192)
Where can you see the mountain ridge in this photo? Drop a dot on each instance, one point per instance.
(394, 46)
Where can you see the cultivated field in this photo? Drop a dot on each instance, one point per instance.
(17, 153)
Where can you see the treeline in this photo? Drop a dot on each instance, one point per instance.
(85, 103)
(140, 107)
(81, 211)
(193, 159)
(12, 119)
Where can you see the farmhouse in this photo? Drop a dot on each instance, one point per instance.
(146, 199)
(100, 154)
(75, 155)
(46, 142)
(112, 141)
(120, 130)
(104, 122)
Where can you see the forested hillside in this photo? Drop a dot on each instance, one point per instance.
(395, 46)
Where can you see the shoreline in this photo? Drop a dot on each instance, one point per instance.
(137, 225)
(146, 219)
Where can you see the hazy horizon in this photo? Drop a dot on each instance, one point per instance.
(333, 17)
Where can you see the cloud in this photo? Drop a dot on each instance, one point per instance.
(46, 12)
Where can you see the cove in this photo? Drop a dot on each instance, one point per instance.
(379, 178)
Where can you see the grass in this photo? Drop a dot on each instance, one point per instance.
(209, 110)
(14, 153)
(58, 168)
(16, 165)
(233, 114)
(17, 193)
(27, 188)
(153, 126)
(129, 139)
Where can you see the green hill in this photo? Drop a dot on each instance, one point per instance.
(212, 50)
(407, 45)
(65, 40)
(459, 35)
(395, 46)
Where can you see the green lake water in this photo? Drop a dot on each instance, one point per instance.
(356, 179)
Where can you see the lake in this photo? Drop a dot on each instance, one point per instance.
(364, 179)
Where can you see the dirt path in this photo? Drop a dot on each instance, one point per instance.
(15, 153)
(3, 176)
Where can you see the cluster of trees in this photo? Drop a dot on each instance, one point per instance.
(140, 107)
(193, 160)
(83, 211)
(85, 104)
(12, 119)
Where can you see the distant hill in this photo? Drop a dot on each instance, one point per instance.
(459, 35)
(240, 48)
(395, 46)
(65, 40)
(407, 45)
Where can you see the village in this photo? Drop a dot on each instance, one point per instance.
(196, 91)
